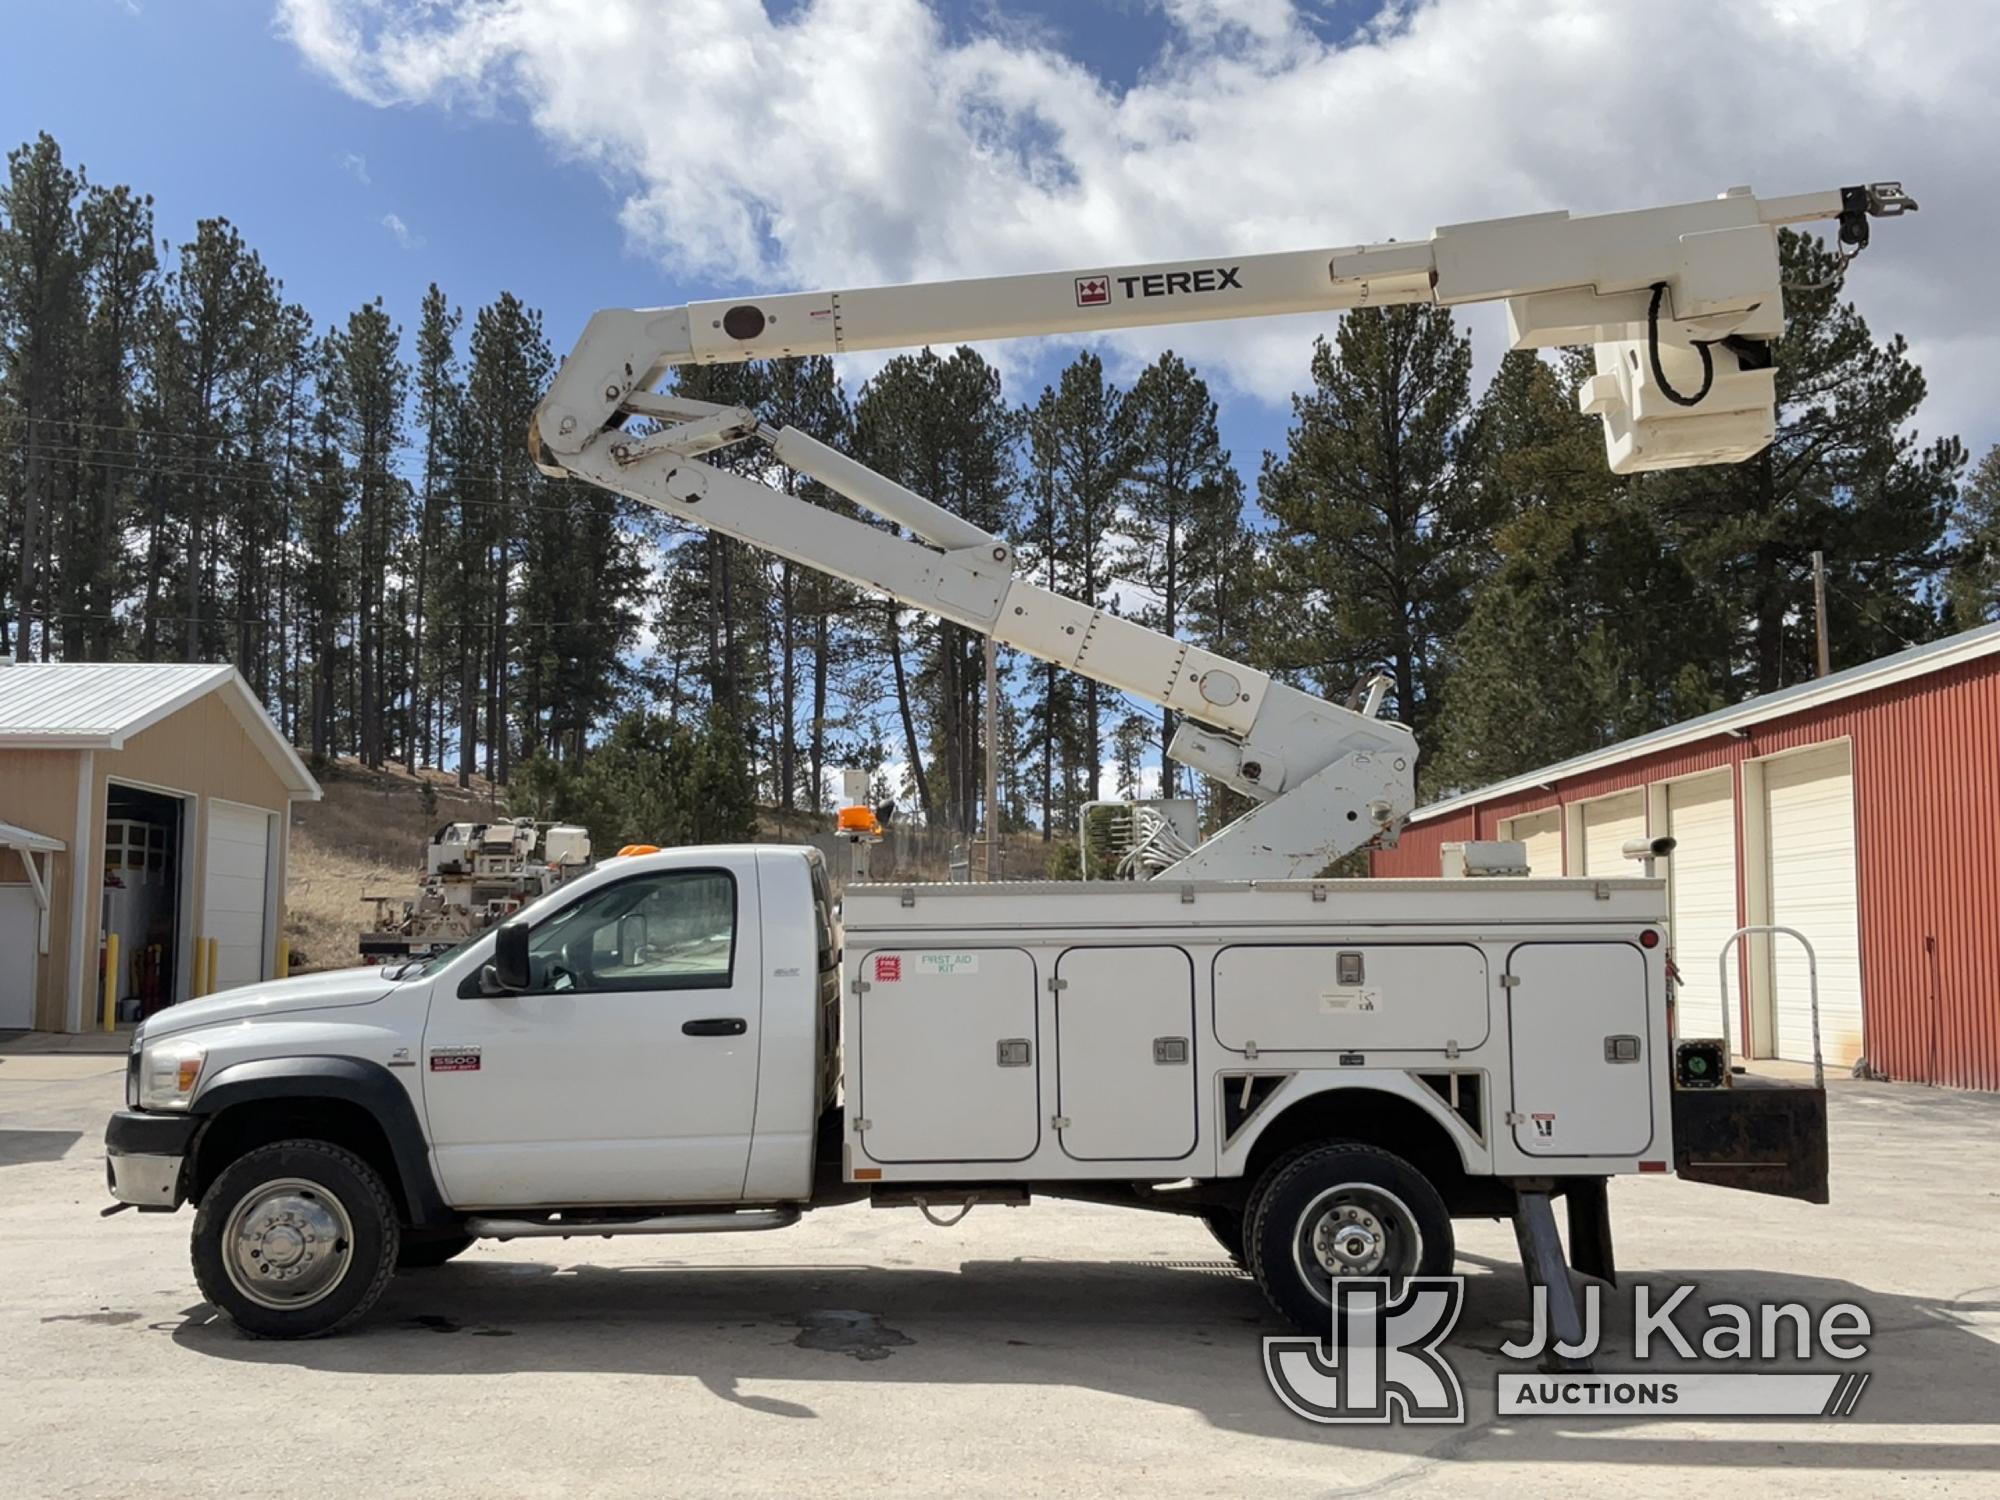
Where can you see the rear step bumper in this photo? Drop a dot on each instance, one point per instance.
(1763, 1135)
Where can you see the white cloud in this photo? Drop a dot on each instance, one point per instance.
(355, 165)
(855, 141)
(408, 238)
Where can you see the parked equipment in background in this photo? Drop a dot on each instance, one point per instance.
(1481, 858)
(858, 825)
(475, 874)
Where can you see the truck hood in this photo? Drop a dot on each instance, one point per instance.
(255, 1002)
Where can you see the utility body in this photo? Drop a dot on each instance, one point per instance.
(1326, 1072)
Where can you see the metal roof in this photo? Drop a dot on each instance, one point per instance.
(13, 836)
(1885, 671)
(100, 705)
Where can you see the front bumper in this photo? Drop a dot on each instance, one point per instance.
(144, 1158)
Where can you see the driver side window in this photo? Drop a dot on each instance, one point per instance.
(668, 931)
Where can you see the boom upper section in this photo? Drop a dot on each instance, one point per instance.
(1681, 304)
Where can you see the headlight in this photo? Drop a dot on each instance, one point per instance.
(168, 1072)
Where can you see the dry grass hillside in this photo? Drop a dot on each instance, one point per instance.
(365, 837)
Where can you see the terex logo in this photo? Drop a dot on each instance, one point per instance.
(1173, 283)
(1095, 291)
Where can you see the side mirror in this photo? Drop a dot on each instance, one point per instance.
(510, 956)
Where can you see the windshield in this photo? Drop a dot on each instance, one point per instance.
(423, 968)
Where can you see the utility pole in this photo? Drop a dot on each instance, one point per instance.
(1819, 608)
(992, 760)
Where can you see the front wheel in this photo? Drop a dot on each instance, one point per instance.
(1342, 1209)
(295, 1239)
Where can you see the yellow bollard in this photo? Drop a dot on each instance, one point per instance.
(284, 958)
(197, 974)
(208, 969)
(111, 981)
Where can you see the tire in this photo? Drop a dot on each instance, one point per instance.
(430, 1253)
(1393, 1220)
(320, 1216)
(1226, 1224)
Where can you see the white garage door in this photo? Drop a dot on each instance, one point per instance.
(233, 893)
(1607, 824)
(20, 923)
(1701, 890)
(1542, 832)
(1809, 801)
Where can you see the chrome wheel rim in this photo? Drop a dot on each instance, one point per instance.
(287, 1244)
(1355, 1229)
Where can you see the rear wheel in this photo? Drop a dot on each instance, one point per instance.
(1337, 1210)
(295, 1239)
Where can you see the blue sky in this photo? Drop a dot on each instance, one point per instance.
(605, 155)
(203, 104)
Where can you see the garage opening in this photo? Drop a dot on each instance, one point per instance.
(145, 834)
(1810, 866)
(236, 914)
(1609, 824)
(1542, 833)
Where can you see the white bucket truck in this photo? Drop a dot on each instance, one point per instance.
(1326, 1071)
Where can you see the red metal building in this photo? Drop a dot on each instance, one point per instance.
(1862, 809)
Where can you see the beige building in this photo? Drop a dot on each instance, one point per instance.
(161, 795)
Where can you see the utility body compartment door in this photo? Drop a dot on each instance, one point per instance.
(1350, 997)
(1125, 1069)
(950, 1055)
(1583, 1069)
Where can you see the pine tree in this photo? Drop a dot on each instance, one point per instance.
(1591, 628)
(1377, 538)
(366, 388)
(42, 297)
(940, 427)
(438, 397)
(1973, 588)
(120, 263)
(1847, 476)
(501, 505)
(652, 781)
(1186, 502)
(804, 393)
(323, 520)
(1081, 454)
(726, 582)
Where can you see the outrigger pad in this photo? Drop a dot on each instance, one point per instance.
(1763, 1135)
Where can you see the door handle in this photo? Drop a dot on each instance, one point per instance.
(716, 1026)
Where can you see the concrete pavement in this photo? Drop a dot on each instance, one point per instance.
(1060, 1349)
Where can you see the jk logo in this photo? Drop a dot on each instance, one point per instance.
(1382, 1362)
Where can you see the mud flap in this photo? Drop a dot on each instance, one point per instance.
(1763, 1135)
(1590, 1229)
